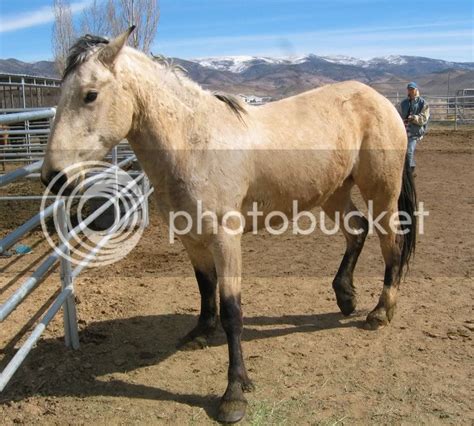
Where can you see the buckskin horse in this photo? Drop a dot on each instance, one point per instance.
(196, 146)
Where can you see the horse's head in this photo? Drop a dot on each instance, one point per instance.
(95, 109)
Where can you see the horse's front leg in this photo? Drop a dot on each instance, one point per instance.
(206, 276)
(228, 261)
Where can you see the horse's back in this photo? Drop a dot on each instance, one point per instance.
(330, 110)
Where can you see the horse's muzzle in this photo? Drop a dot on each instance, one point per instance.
(60, 185)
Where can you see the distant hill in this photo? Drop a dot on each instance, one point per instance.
(39, 69)
(281, 77)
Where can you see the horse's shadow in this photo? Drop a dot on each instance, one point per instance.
(123, 345)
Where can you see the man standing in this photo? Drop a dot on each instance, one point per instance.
(415, 113)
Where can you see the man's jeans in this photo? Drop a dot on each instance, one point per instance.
(411, 150)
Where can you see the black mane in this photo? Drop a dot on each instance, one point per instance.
(81, 50)
(233, 103)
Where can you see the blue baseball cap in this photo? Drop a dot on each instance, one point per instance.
(412, 85)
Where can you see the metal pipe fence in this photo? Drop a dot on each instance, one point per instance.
(452, 111)
(61, 254)
(26, 91)
(23, 134)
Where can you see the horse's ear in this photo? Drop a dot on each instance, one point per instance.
(108, 54)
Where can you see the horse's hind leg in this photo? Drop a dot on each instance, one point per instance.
(206, 276)
(384, 207)
(340, 208)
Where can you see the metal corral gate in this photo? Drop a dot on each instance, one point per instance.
(67, 273)
(24, 133)
(27, 91)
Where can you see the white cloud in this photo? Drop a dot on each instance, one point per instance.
(36, 17)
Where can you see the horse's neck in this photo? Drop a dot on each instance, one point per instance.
(165, 116)
(165, 102)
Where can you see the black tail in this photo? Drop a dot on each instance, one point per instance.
(407, 203)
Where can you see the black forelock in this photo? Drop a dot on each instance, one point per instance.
(81, 50)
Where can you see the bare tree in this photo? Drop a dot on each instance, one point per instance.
(145, 14)
(94, 19)
(105, 18)
(63, 32)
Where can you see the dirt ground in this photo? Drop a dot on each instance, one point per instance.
(310, 364)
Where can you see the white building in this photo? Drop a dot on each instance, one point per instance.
(255, 100)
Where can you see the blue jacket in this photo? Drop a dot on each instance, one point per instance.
(420, 112)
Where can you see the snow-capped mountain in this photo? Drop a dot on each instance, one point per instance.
(344, 60)
(239, 64)
(236, 64)
(410, 64)
(389, 60)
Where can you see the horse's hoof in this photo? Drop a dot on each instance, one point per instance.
(377, 319)
(233, 404)
(231, 411)
(199, 342)
(345, 295)
(347, 305)
(197, 338)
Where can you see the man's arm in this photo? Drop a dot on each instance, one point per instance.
(422, 118)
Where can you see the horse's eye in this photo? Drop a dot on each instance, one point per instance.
(90, 97)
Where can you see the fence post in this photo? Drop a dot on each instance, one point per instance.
(27, 122)
(456, 113)
(28, 141)
(145, 207)
(114, 155)
(117, 211)
(23, 95)
(71, 333)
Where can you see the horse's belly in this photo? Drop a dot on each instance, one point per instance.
(261, 209)
(302, 178)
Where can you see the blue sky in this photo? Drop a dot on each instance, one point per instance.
(201, 28)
